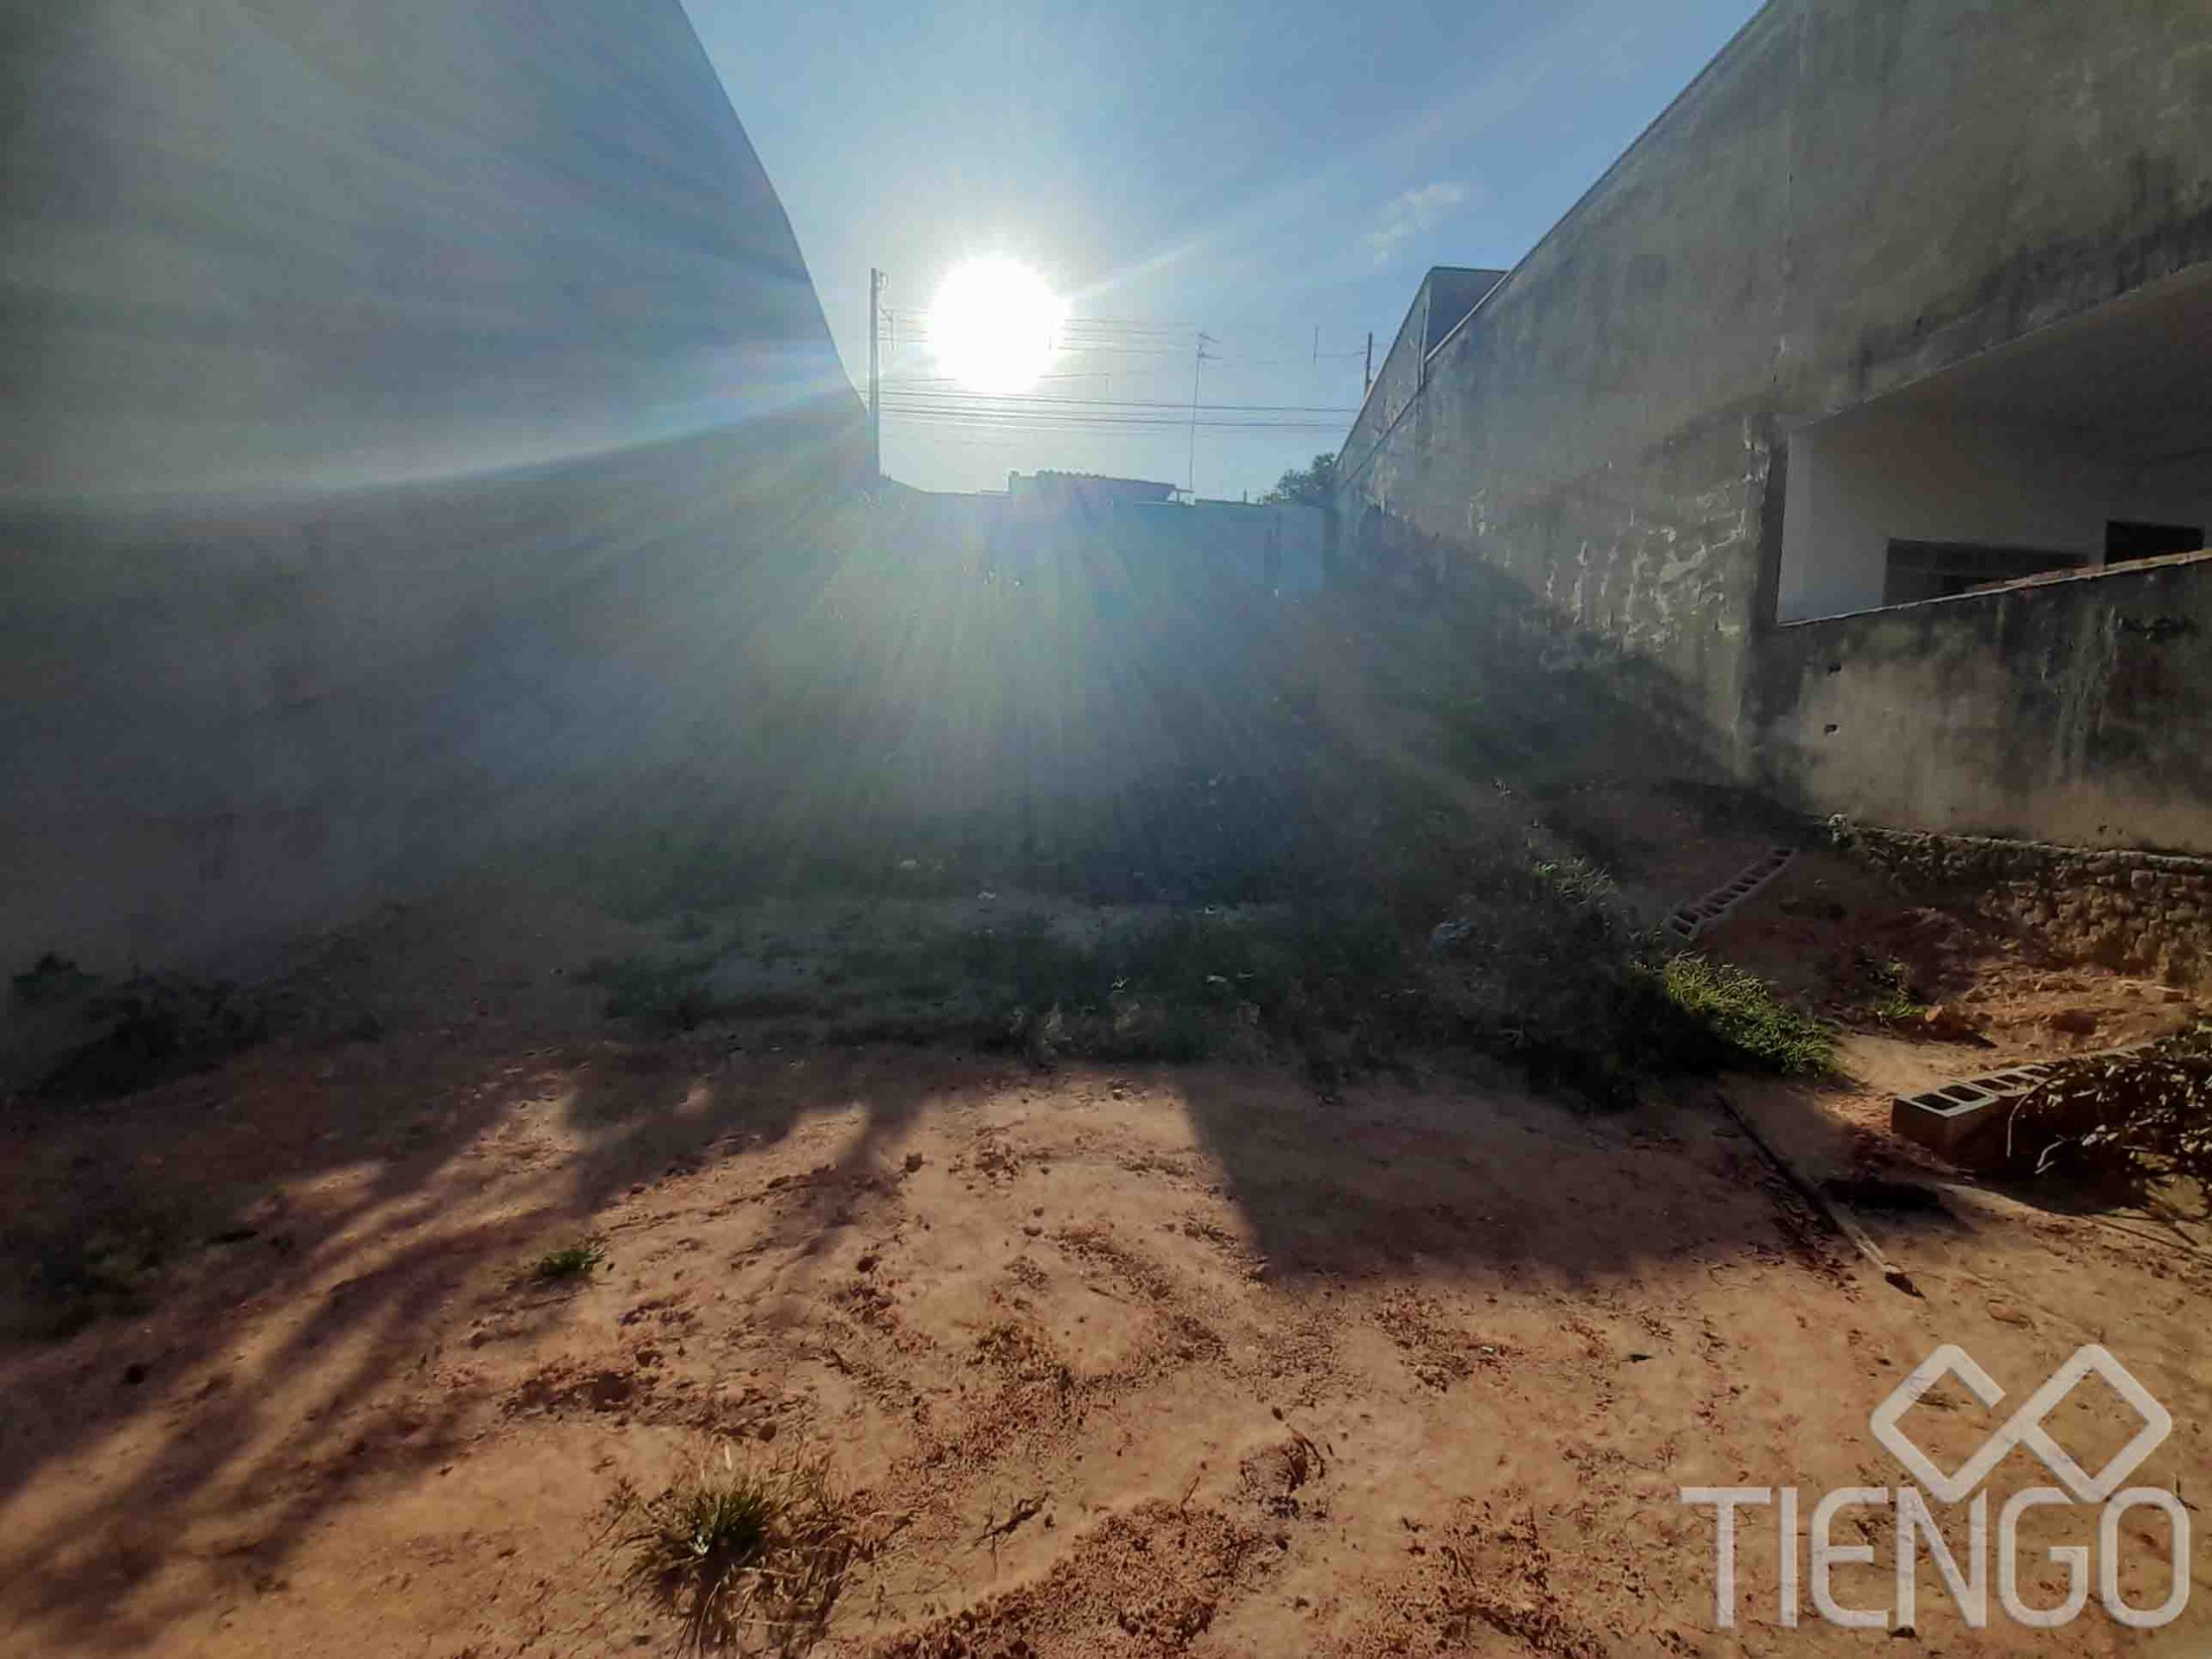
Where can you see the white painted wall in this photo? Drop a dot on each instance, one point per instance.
(1863, 479)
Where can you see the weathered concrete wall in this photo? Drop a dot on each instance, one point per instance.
(1852, 197)
(2064, 709)
(1445, 297)
(1276, 546)
(415, 406)
(2148, 912)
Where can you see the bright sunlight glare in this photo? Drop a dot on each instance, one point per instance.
(995, 326)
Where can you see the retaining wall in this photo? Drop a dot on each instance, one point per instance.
(2139, 911)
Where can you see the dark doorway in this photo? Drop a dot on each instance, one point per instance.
(2127, 539)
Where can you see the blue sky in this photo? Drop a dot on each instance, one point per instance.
(1256, 172)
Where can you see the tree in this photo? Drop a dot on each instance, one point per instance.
(1312, 487)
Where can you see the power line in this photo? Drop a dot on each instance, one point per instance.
(1011, 402)
(1102, 422)
(1104, 333)
(935, 404)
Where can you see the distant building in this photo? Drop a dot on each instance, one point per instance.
(1863, 411)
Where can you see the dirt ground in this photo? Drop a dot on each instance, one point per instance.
(1123, 1360)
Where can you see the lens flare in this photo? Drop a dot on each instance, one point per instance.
(995, 326)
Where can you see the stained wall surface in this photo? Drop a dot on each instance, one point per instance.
(409, 404)
(1851, 198)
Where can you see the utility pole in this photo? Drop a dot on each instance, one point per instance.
(874, 374)
(1199, 362)
(1367, 374)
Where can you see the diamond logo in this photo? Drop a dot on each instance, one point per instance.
(2024, 1427)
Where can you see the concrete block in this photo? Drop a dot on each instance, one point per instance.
(1946, 1120)
(1694, 917)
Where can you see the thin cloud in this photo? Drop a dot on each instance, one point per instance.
(1409, 213)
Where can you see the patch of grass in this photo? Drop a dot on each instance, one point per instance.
(157, 1028)
(1179, 986)
(571, 1264)
(50, 980)
(1743, 1014)
(106, 1263)
(739, 1553)
(669, 993)
(1575, 879)
(769, 1003)
(1895, 1002)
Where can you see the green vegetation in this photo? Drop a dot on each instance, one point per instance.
(1312, 487)
(738, 1554)
(2122, 1121)
(1367, 846)
(52, 980)
(105, 1261)
(668, 992)
(1743, 1013)
(157, 1028)
(1895, 1003)
(571, 1262)
(1540, 972)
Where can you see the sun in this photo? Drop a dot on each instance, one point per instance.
(996, 326)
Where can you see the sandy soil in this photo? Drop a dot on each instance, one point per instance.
(1136, 1362)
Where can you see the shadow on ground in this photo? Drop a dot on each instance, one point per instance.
(1113, 733)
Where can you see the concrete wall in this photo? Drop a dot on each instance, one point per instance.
(1445, 297)
(1852, 197)
(2068, 708)
(415, 405)
(1276, 546)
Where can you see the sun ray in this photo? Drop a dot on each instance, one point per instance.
(995, 326)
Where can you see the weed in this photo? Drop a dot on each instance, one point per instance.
(2121, 1121)
(1895, 1003)
(52, 979)
(768, 1003)
(736, 1551)
(1576, 879)
(105, 1265)
(668, 992)
(157, 1028)
(1742, 1012)
(571, 1262)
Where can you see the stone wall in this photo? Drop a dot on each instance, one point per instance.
(2068, 708)
(2138, 912)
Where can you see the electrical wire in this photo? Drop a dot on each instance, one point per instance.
(1015, 401)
